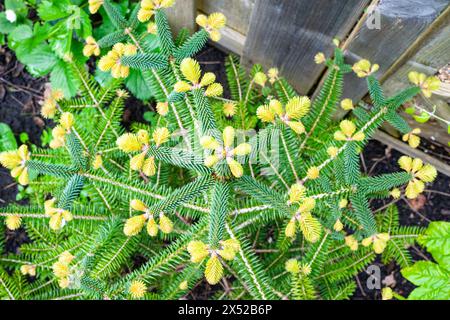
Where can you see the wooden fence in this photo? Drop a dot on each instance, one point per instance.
(399, 35)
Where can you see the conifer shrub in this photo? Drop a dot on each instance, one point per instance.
(261, 189)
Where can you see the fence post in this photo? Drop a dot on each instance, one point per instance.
(182, 15)
(287, 34)
(401, 23)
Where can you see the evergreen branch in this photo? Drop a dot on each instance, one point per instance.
(263, 193)
(191, 46)
(256, 280)
(182, 195)
(179, 158)
(220, 198)
(111, 39)
(164, 33)
(132, 188)
(145, 61)
(114, 15)
(55, 170)
(71, 192)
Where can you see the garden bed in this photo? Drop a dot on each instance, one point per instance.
(20, 97)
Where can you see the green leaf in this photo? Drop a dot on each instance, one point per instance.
(431, 278)
(410, 110)
(84, 27)
(135, 82)
(151, 117)
(24, 138)
(7, 140)
(40, 61)
(48, 10)
(61, 42)
(5, 25)
(21, 33)
(18, 6)
(437, 241)
(426, 273)
(62, 78)
(422, 118)
(15, 5)
(46, 137)
(427, 293)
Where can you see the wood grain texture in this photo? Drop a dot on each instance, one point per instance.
(182, 15)
(237, 11)
(433, 54)
(231, 41)
(287, 34)
(402, 23)
(429, 55)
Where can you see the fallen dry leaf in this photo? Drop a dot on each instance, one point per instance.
(389, 281)
(418, 202)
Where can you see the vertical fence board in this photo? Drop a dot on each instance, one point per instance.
(182, 15)
(402, 23)
(432, 55)
(287, 34)
(237, 11)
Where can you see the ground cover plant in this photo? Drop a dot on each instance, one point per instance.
(152, 212)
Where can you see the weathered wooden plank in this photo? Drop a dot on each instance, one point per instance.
(287, 34)
(182, 15)
(434, 52)
(231, 41)
(237, 11)
(433, 129)
(443, 91)
(401, 24)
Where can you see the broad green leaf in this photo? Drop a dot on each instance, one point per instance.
(7, 139)
(138, 87)
(40, 61)
(430, 293)
(437, 241)
(85, 28)
(5, 26)
(427, 274)
(62, 43)
(433, 279)
(62, 78)
(15, 5)
(48, 10)
(18, 6)
(21, 33)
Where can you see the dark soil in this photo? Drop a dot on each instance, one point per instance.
(20, 94)
(432, 206)
(134, 111)
(436, 150)
(213, 60)
(19, 107)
